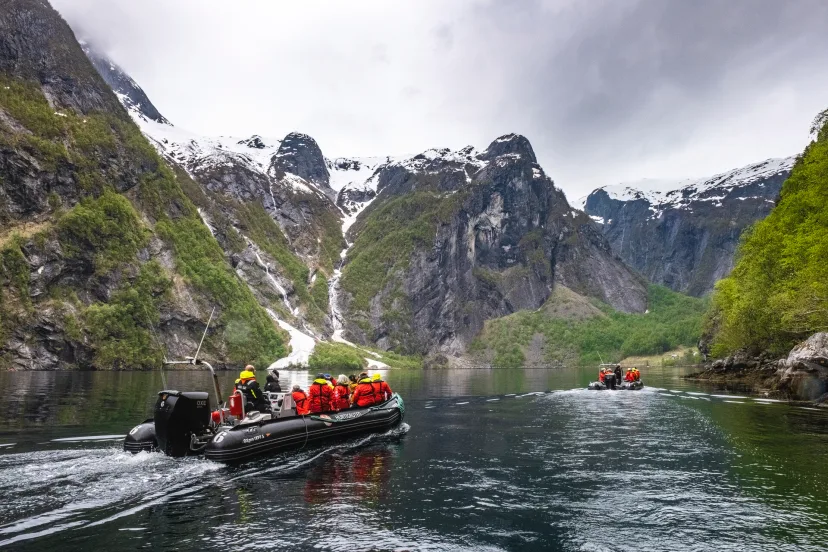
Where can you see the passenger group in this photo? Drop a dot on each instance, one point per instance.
(328, 394)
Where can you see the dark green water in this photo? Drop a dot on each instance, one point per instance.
(479, 464)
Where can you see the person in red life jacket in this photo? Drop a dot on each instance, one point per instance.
(331, 379)
(321, 395)
(629, 375)
(300, 399)
(381, 390)
(342, 392)
(601, 375)
(364, 393)
(636, 374)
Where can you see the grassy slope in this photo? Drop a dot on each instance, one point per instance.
(106, 231)
(777, 293)
(574, 332)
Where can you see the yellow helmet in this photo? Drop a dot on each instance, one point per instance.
(376, 377)
(247, 374)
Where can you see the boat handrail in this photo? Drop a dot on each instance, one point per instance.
(195, 362)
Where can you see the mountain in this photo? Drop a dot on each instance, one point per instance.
(453, 238)
(129, 93)
(104, 260)
(407, 253)
(684, 234)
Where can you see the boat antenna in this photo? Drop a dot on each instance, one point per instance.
(599, 356)
(207, 327)
(157, 344)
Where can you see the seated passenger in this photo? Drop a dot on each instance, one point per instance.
(629, 375)
(342, 393)
(320, 395)
(272, 385)
(300, 399)
(381, 390)
(636, 374)
(352, 382)
(254, 399)
(601, 375)
(364, 393)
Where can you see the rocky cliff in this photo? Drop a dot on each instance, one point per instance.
(455, 238)
(684, 234)
(436, 243)
(104, 261)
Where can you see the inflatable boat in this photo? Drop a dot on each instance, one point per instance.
(183, 425)
(626, 386)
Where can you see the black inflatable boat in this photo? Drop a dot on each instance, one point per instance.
(272, 436)
(626, 386)
(183, 425)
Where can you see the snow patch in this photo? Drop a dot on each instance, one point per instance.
(301, 345)
(662, 194)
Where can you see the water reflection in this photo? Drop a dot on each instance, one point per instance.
(491, 461)
(360, 477)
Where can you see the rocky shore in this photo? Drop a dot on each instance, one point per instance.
(801, 376)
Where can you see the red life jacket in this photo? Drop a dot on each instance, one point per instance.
(601, 376)
(301, 400)
(381, 391)
(364, 393)
(341, 397)
(629, 376)
(320, 396)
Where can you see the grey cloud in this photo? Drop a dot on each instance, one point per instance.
(606, 90)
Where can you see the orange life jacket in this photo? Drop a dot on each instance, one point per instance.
(301, 400)
(364, 393)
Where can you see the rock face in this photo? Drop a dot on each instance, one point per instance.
(299, 154)
(494, 235)
(131, 95)
(102, 257)
(498, 236)
(686, 238)
(805, 372)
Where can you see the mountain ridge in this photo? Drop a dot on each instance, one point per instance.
(686, 237)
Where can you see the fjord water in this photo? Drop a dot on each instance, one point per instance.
(486, 460)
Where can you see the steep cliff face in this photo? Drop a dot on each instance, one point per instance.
(436, 243)
(455, 238)
(104, 262)
(684, 234)
(130, 94)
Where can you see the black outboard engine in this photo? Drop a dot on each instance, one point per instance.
(609, 380)
(180, 419)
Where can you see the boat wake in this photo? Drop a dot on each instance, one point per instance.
(49, 492)
(52, 491)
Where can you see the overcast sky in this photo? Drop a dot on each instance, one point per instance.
(606, 91)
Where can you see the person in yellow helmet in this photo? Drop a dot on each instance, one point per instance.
(254, 398)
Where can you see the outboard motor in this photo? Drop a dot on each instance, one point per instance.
(181, 418)
(609, 381)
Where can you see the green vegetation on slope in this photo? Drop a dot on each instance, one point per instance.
(105, 153)
(340, 357)
(106, 227)
(249, 333)
(121, 330)
(777, 293)
(390, 235)
(14, 286)
(336, 357)
(587, 337)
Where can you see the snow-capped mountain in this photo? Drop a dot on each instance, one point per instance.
(664, 194)
(684, 233)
